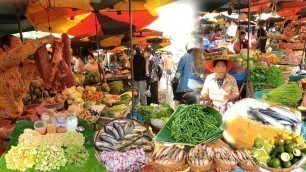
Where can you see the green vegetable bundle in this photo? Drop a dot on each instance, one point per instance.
(162, 111)
(288, 95)
(146, 113)
(92, 78)
(195, 124)
(258, 76)
(275, 77)
(116, 87)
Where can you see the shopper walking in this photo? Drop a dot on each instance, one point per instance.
(152, 72)
(139, 63)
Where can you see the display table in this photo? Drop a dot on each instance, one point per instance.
(91, 165)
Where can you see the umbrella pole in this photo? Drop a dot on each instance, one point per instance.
(248, 59)
(131, 56)
(98, 50)
(19, 23)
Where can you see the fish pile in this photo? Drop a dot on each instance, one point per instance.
(131, 160)
(169, 155)
(124, 138)
(279, 117)
(223, 154)
(244, 156)
(200, 155)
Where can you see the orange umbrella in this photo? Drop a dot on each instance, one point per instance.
(77, 17)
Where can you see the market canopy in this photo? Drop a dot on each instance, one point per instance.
(81, 19)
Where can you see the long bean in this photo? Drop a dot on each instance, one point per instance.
(194, 124)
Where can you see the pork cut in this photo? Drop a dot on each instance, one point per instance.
(55, 71)
(61, 76)
(66, 50)
(43, 64)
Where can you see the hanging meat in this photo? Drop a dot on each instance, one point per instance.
(66, 50)
(55, 71)
(43, 64)
(61, 76)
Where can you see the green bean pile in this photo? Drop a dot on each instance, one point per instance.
(288, 95)
(194, 124)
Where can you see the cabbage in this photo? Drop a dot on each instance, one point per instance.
(244, 53)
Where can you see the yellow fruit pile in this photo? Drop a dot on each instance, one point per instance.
(299, 140)
(20, 157)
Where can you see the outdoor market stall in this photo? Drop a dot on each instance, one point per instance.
(84, 124)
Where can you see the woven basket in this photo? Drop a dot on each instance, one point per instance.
(246, 167)
(96, 138)
(196, 168)
(226, 167)
(278, 169)
(180, 166)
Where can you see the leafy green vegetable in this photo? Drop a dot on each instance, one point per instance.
(288, 95)
(258, 77)
(163, 110)
(196, 124)
(116, 87)
(275, 77)
(92, 78)
(146, 112)
(88, 133)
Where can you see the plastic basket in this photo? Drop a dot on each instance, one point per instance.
(240, 78)
(258, 94)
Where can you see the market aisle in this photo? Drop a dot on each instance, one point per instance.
(166, 89)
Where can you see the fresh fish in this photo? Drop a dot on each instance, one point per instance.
(273, 121)
(128, 127)
(124, 143)
(130, 148)
(171, 152)
(139, 127)
(139, 130)
(160, 152)
(111, 130)
(284, 122)
(276, 115)
(103, 146)
(258, 116)
(266, 119)
(119, 129)
(108, 139)
(106, 135)
(142, 141)
(180, 156)
(131, 136)
(166, 151)
(147, 148)
(175, 154)
(285, 112)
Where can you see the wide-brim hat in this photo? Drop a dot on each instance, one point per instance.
(209, 65)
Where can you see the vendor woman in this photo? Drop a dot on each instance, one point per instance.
(16, 73)
(92, 66)
(220, 89)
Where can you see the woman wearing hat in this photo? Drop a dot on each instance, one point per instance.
(219, 88)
